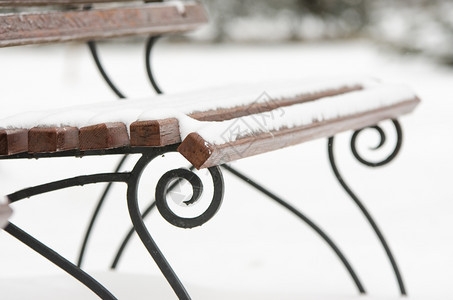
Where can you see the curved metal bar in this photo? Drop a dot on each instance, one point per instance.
(143, 233)
(399, 142)
(304, 218)
(129, 234)
(149, 46)
(65, 183)
(96, 213)
(94, 53)
(367, 214)
(60, 261)
(197, 187)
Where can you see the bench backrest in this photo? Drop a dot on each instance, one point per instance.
(56, 2)
(80, 24)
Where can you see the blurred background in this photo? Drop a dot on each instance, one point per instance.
(419, 26)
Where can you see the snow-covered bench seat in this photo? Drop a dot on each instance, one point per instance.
(214, 126)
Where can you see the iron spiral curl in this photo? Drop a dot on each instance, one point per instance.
(197, 189)
(137, 218)
(383, 140)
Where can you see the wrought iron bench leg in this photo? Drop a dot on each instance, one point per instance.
(305, 219)
(45, 251)
(132, 181)
(357, 201)
(149, 47)
(292, 209)
(130, 233)
(94, 54)
(60, 261)
(96, 214)
(145, 236)
(161, 203)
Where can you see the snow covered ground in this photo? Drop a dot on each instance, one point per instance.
(252, 247)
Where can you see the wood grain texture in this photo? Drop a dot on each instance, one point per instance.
(103, 136)
(197, 151)
(62, 26)
(202, 154)
(13, 141)
(267, 105)
(155, 133)
(166, 132)
(48, 140)
(54, 2)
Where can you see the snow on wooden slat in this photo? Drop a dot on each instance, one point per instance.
(327, 108)
(218, 101)
(290, 116)
(53, 2)
(75, 25)
(268, 103)
(167, 131)
(203, 154)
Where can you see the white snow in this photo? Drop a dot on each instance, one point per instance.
(4, 200)
(325, 109)
(179, 5)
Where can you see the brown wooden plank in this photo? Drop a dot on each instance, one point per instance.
(155, 133)
(54, 2)
(166, 132)
(103, 136)
(62, 26)
(48, 140)
(202, 154)
(268, 105)
(13, 141)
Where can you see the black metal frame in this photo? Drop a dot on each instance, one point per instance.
(356, 200)
(167, 182)
(132, 179)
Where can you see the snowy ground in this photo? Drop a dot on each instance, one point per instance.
(252, 247)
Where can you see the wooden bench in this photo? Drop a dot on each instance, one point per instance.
(209, 127)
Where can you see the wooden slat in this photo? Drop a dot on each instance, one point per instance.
(202, 154)
(54, 2)
(48, 140)
(268, 105)
(154, 18)
(166, 132)
(13, 141)
(103, 136)
(155, 133)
